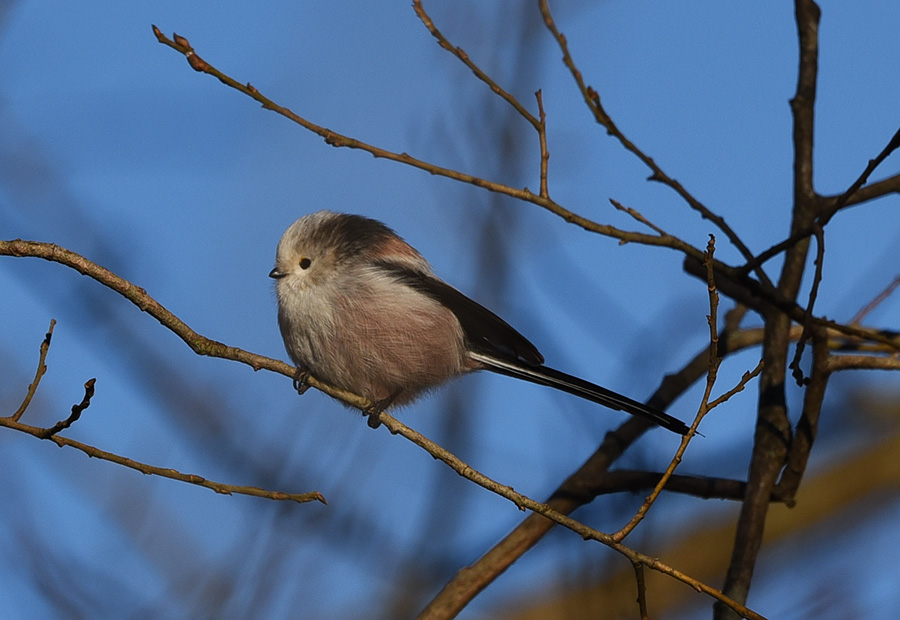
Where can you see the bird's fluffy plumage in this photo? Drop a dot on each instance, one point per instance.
(361, 309)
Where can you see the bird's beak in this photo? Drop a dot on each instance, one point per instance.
(276, 274)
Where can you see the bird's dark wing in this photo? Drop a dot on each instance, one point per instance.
(485, 331)
(500, 348)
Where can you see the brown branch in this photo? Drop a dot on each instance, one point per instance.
(592, 99)
(879, 298)
(593, 478)
(831, 208)
(641, 590)
(590, 480)
(181, 45)
(872, 191)
(808, 425)
(172, 474)
(749, 292)
(828, 207)
(542, 138)
(637, 215)
(862, 362)
(711, 374)
(51, 433)
(452, 602)
(474, 68)
(633, 481)
(205, 346)
(139, 297)
(38, 375)
(773, 431)
(796, 370)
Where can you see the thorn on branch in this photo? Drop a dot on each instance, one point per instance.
(47, 433)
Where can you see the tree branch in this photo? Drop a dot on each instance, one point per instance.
(165, 472)
(592, 99)
(773, 431)
(51, 433)
(38, 375)
(854, 195)
(77, 410)
(333, 138)
(205, 346)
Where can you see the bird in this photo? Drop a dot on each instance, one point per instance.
(360, 309)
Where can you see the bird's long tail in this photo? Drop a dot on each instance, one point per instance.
(543, 375)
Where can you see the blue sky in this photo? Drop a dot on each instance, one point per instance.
(111, 146)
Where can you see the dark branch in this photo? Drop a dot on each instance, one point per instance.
(76, 412)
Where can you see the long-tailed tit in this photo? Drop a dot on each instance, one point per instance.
(360, 309)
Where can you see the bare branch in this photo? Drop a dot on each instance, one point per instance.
(703, 487)
(773, 430)
(796, 370)
(873, 191)
(854, 195)
(641, 590)
(39, 373)
(594, 478)
(77, 410)
(448, 606)
(592, 99)
(172, 474)
(808, 424)
(862, 362)
(139, 297)
(205, 346)
(832, 208)
(542, 136)
(181, 45)
(883, 295)
(481, 75)
(640, 217)
(711, 374)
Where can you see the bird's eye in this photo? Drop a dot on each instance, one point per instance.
(305, 263)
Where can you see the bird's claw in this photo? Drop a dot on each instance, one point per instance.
(301, 380)
(373, 412)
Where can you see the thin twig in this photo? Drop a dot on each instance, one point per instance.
(181, 45)
(641, 590)
(592, 99)
(474, 68)
(38, 374)
(77, 410)
(883, 295)
(172, 474)
(834, 205)
(524, 502)
(638, 216)
(542, 137)
(711, 375)
(808, 425)
(739, 387)
(796, 370)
